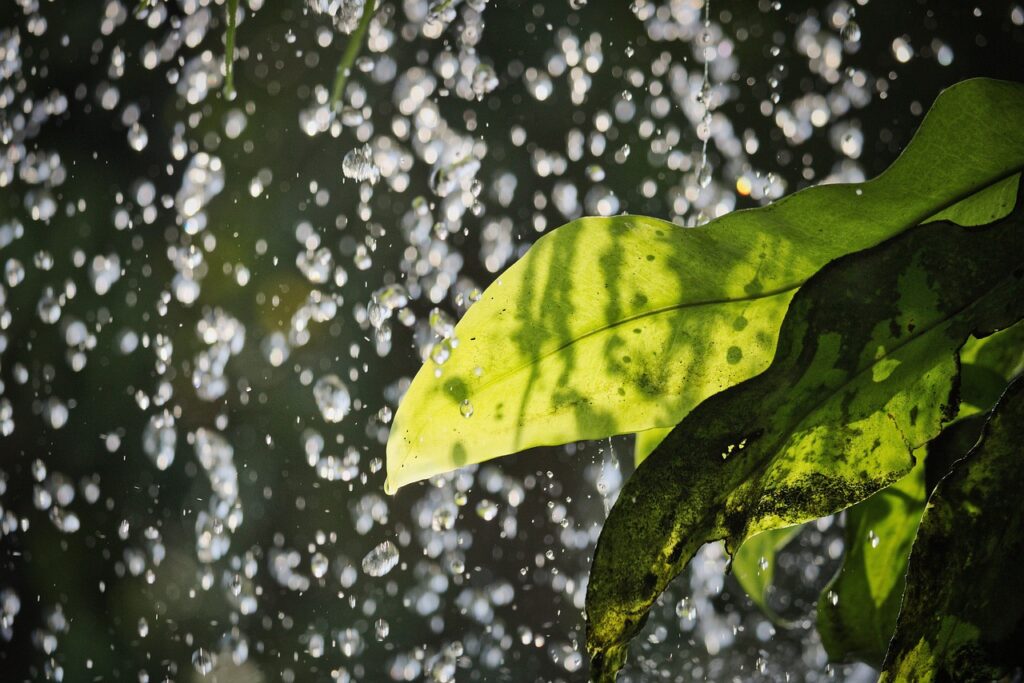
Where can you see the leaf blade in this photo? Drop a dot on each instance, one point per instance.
(834, 418)
(857, 616)
(963, 614)
(557, 340)
(753, 565)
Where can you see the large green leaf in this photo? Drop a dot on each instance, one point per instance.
(858, 610)
(859, 627)
(864, 373)
(616, 325)
(859, 606)
(963, 615)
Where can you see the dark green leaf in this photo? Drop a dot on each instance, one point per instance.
(753, 565)
(864, 373)
(963, 615)
(617, 325)
(858, 609)
(857, 614)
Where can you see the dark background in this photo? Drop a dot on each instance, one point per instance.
(83, 573)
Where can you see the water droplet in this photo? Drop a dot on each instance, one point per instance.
(358, 165)
(486, 509)
(381, 629)
(851, 31)
(443, 517)
(685, 609)
(203, 661)
(466, 408)
(332, 398)
(318, 565)
(381, 559)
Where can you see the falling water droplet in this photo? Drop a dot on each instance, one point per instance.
(358, 165)
(203, 661)
(851, 31)
(381, 559)
(332, 398)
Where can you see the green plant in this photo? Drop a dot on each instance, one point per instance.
(797, 360)
(345, 64)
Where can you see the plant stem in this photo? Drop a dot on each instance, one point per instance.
(229, 50)
(351, 52)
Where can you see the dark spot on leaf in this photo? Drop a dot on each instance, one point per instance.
(459, 455)
(734, 355)
(457, 390)
(677, 552)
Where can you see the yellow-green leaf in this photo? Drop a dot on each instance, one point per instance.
(616, 325)
(858, 609)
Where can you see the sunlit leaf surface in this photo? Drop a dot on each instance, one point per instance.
(616, 325)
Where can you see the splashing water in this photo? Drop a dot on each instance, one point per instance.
(210, 309)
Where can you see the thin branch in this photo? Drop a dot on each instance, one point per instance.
(355, 43)
(229, 50)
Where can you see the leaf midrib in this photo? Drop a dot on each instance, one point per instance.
(759, 466)
(921, 219)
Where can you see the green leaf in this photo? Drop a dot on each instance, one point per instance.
(616, 325)
(857, 616)
(753, 565)
(858, 609)
(963, 614)
(231, 11)
(865, 372)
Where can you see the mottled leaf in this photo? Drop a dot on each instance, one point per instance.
(753, 565)
(858, 609)
(963, 614)
(616, 325)
(864, 373)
